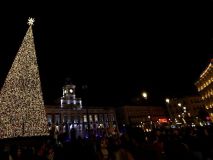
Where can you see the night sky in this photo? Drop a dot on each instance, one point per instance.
(116, 51)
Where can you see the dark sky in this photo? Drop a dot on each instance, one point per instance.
(116, 50)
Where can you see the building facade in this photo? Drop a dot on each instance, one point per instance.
(205, 87)
(69, 100)
(70, 114)
(140, 116)
(186, 107)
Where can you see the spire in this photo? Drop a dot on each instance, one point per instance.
(21, 103)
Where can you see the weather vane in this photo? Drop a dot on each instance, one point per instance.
(31, 21)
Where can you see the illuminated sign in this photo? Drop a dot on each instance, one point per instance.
(163, 120)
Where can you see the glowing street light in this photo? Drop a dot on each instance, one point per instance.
(144, 95)
(168, 108)
(167, 100)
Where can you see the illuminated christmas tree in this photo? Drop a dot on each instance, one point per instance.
(22, 111)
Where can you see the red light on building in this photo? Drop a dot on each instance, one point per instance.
(208, 118)
(163, 120)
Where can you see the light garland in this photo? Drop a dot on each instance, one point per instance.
(22, 111)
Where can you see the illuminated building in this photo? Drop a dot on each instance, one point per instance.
(137, 116)
(69, 98)
(205, 87)
(188, 106)
(70, 114)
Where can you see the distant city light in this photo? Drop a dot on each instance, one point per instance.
(167, 100)
(144, 95)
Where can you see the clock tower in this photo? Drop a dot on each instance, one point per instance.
(69, 98)
(69, 91)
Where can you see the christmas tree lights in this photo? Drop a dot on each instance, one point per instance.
(22, 111)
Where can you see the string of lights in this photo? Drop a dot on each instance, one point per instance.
(22, 111)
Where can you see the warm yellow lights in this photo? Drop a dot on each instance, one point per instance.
(204, 85)
(22, 111)
(144, 95)
(208, 69)
(167, 100)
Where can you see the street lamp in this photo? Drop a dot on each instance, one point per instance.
(168, 108)
(167, 100)
(144, 95)
(150, 122)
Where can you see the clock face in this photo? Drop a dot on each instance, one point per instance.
(71, 90)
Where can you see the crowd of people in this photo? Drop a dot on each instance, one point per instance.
(187, 143)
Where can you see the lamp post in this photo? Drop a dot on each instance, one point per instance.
(168, 108)
(167, 100)
(150, 122)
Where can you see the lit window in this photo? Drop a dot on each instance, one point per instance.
(90, 118)
(85, 118)
(96, 117)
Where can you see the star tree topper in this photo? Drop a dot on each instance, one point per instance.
(31, 21)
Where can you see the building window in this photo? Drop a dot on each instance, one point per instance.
(101, 118)
(112, 118)
(77, 119)
(96, 117)
(90, 118)
(57, 118)
(85, 118)
(65, 118)
(105, 117)
(49, 118)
